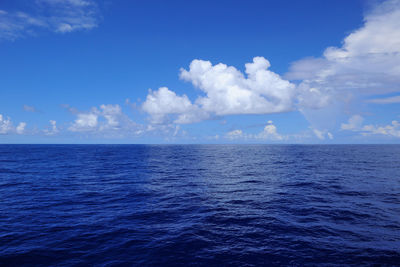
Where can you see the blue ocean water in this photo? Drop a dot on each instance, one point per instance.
(229, 205)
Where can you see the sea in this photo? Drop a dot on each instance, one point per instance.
(199, 205)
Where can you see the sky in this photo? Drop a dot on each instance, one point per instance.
(254, 71)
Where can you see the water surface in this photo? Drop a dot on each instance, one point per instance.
(236, 205)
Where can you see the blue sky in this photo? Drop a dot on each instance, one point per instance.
(113, 71)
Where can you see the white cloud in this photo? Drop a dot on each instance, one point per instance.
(269, 133)
(228, 91)
(168, 131)
(7, 127)
(20, 129)
(235, 134)
(85, 122)
(55, 15)
(392, 130)
(112, 114)
(163, 102)
(53, 129)
(108, 120)
(64, 27)
(355, 123)
(319, 134)
(367, 63)
(322, 134)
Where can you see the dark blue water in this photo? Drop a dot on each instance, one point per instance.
(236, 205)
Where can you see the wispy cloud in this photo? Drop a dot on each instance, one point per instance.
(386, 100)
(30, 108)
(59, 16)
(355, 124)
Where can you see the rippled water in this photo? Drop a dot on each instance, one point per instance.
(237, 205)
